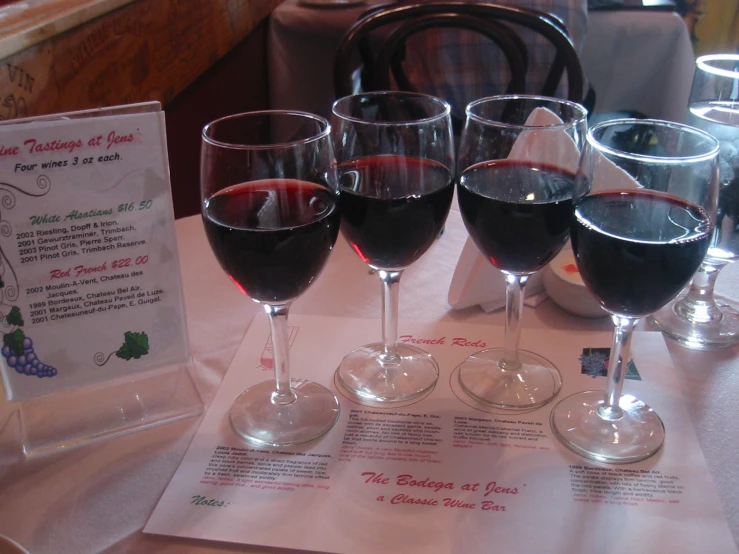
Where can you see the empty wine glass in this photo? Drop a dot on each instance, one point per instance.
(270, 211)
(699, 319)
(644, 212)
(517, 159)
(395, 155)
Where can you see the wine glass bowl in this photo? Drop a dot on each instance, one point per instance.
(644, 212)
(517, 159)
(699, 319)
(271, 215)
(395, 160)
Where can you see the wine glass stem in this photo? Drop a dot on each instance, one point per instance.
(699, 305)
(513, 307)
(390, 285)
(617, 366)
(283, 393)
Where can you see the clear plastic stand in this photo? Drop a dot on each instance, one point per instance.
(87, 403)
(74, 417)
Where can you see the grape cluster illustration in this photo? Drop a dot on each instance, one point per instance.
(595, 362)
(18, 349)
(27, 363)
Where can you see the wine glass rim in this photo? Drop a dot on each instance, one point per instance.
(322, 121)
(533, 97)
(703, 156)
(703, 62)
(445, 112)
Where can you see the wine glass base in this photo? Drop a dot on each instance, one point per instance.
(636, 435)
(256, 418)
(534, 384)
(713, 335)
(368, 379)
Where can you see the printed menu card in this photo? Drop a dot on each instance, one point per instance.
(89, 275)
(445, 474)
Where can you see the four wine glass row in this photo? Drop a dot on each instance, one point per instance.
(637, 198)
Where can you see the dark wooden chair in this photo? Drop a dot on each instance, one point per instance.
(371, 54)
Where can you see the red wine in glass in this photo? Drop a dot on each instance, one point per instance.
(517, 213)
(644, 214)
(393, 207)
(270, 209)
(617, 236)
(517, 160)
(272, 237)
(395, 156)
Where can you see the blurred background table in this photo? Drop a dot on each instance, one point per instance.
(636, 60)
(97, 498)
(640, 61)
(301, 44)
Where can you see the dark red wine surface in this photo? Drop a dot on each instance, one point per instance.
(393, 207)
(272, 237)
(637, 250)
(518, 214)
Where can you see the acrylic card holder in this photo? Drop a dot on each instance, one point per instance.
(92, 319)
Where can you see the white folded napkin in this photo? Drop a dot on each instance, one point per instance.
(476, 280)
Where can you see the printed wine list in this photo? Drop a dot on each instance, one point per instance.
(89, 274)
(444, 474)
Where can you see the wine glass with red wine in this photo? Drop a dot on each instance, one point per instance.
(699, 319)
(395, 155)
(644, 214)
(517, 161)
(270, 208)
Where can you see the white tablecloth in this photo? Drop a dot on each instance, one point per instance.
(97, 498)
(636, 60)
(639, 60)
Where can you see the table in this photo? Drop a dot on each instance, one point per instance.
(301, 45)
(97, 498)
(639, 60)
(636, 60)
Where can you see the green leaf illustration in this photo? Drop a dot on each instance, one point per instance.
(14, 317)
(14, 341)
(134, 346)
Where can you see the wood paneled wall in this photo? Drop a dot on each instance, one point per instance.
(200, 58)
(237, 83)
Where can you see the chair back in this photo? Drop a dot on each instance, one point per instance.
(371, 54)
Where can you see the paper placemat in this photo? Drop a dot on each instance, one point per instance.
(445, 474)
